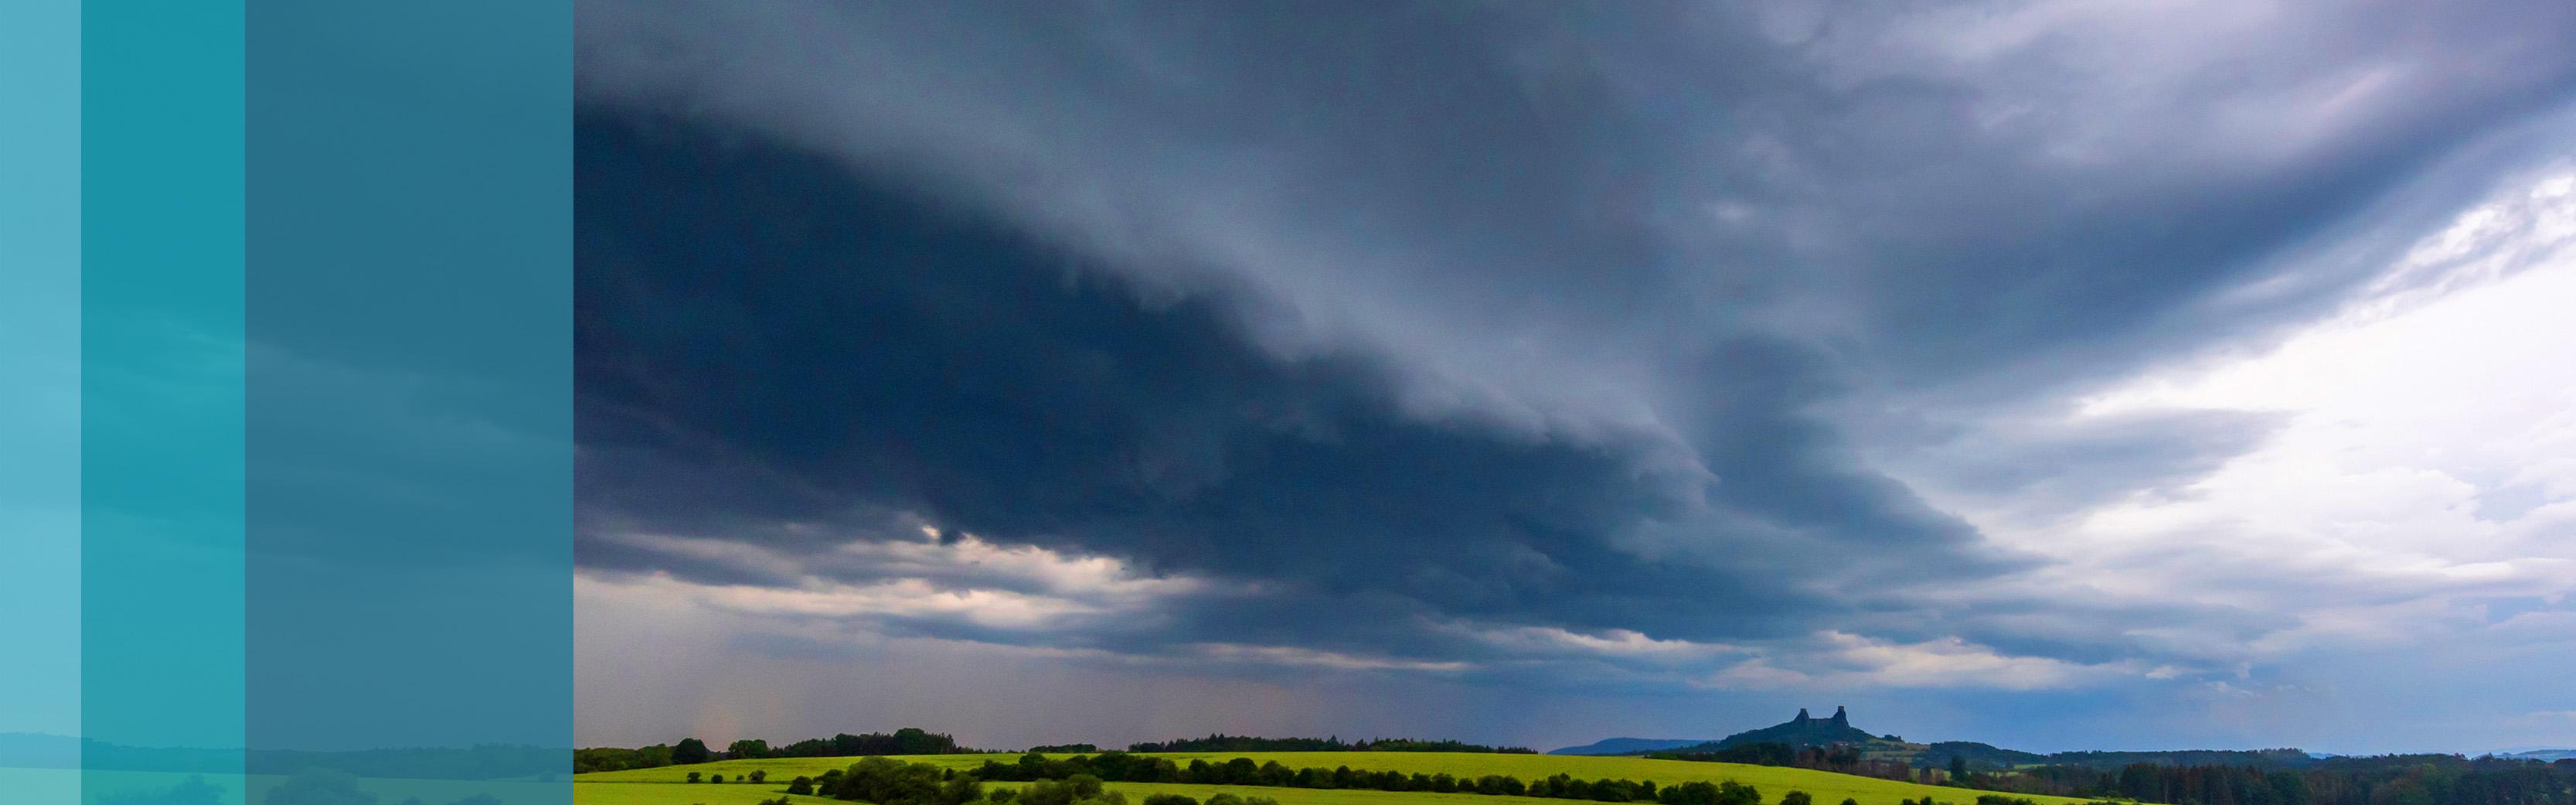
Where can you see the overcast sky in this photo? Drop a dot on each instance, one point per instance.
(2056, 375)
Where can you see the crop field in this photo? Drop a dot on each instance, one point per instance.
(684, 794)
(595, 793)
(1828, 788)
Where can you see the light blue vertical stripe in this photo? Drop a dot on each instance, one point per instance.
(161, 380)
(40, 411)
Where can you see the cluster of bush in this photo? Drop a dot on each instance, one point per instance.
(1221, 742)
(906, 741)
(1998, 799)
(884, 781)
(754, 776)
(1213, 799)
(1084, 789)
(1079, 781)
(1132, 768)
(2381, 780)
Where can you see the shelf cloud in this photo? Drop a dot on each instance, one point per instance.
(1700, 355)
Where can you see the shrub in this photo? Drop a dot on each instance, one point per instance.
(1170, 799)
(1797, 798)
(1078, 788)
(1731, 792)
(889, 782)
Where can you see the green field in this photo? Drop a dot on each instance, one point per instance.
(732, 794)
(681, 794)
(1828, 788)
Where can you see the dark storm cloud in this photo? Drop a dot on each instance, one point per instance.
(1527, 314)
(1567, 169)
(768, 338)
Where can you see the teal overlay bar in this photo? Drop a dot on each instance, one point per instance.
(161, 398)
(40, 494)
(409, 400)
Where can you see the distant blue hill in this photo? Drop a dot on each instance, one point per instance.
(2543, 754)
(1805, 731)
(1622, 746)
(33, 750)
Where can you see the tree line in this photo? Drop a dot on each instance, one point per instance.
(906, 741)
(917, 741)
(1134, 768)
(2381, 780)
(1839, 758)
(885, 781)
(2386, 780)
(1221, 742)
(1079, 781)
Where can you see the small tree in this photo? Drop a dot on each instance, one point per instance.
(689, 750)
(804, 786)
(715, 778)
(693, 776)
(1797, 798)
(757, 776)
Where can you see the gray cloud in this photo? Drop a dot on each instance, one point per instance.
(868, 354)
(2048, 466)
(1590, 318)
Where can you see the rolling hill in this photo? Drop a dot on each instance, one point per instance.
(1826, 787)
(1804, 731)
(1628, 746)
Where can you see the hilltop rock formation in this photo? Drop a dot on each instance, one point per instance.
(1804, 731)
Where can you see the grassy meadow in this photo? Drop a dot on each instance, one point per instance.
(596, 793)
(655, 794)
(1827, 787)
